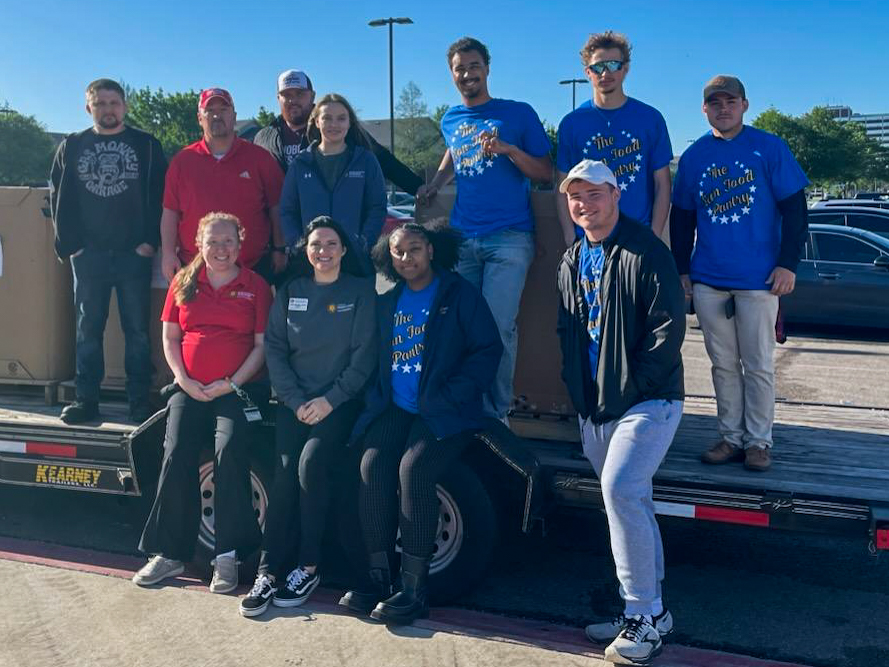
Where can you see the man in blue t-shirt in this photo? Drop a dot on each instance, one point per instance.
(624, 133)
(739, 203)
(495, 148)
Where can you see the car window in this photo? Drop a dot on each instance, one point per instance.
(874, 223)
(841, 248)
(827, 218)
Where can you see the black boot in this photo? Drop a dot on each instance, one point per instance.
(378, 587)
(409, 603)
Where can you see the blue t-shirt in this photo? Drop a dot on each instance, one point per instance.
(591, 260)
(408, 332)
(492, 194)
(734, 187)
(631, 139)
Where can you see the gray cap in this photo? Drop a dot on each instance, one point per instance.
(591, 171)
(294, 78)
(724, 83)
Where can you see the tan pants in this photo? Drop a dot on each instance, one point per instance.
(741, 350)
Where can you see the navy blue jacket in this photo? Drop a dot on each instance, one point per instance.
(357, 202)
(461, 353)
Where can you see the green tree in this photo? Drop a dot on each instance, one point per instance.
(171, 117)
(418, 142)
(26, 150)
(264, 117)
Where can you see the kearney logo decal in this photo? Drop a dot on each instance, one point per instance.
(67, 475)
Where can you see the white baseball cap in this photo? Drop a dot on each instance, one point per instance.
(294, 78)
(591, 171)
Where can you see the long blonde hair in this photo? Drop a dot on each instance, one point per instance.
(186, 280)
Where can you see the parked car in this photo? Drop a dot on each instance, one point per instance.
(872, 219)
(842, 279)
(399, 198)
(395, 217)
(858, 203)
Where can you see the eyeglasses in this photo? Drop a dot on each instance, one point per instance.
(610, 65)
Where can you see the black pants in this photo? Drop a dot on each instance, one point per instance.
(312, 464)
(403, 455)
(172, 526)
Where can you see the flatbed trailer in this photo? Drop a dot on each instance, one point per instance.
(830, 474)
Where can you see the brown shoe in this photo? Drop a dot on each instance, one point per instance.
(758, 459)
(722, 452)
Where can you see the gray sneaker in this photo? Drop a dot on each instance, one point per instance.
(599, 633)
(157, 569)
(225, 575)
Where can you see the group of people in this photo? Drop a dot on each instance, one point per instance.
(393, 387)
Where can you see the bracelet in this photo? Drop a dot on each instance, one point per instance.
(235, 388)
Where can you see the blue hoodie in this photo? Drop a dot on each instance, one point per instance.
(357, 202)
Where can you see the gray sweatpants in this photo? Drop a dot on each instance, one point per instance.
(625, 454)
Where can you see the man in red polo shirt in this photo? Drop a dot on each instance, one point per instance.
(222, 172)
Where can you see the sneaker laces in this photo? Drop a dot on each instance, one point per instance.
(261, 582)
(635, 628)
(297, 577)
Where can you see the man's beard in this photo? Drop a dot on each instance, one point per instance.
(109, 122)
(298, 118)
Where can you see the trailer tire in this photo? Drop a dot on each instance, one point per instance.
(261, 483)
(467, 535)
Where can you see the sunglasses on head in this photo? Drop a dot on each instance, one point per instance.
(610, 65)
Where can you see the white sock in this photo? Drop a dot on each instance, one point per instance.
(657, 607)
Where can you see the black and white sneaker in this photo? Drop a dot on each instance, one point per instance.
(599, 633)
(637, 644)
(259, 597)
(298, 588)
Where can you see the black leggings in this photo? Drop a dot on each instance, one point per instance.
(309, 462)
(402, 454)
(172, 526)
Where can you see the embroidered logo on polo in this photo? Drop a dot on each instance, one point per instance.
(242, 295)
(466, 147)
(406, 350)
(622, 153)
(245, 174)
(106, 167)
(728, 192)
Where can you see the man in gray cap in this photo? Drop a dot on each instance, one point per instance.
(740, 193)
(286, 135)
(621, 326)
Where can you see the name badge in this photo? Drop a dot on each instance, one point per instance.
(298, 303)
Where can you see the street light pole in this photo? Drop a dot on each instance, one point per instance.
(573, 83)
(376, 23)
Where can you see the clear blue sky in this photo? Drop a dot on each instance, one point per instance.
(791, 54)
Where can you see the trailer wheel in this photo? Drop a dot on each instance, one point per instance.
(466, 537)
(261, 486)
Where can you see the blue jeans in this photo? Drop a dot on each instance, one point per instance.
(95, 273)
(625, 453)
(497, 265)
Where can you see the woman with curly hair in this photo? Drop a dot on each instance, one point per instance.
(214, 321)
(438, 352)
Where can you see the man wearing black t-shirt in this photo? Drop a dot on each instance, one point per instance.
(106, 190)
(285, 136)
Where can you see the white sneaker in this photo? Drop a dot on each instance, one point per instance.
(157, 569)
(637, 644)
(599, 633)
(225, 574)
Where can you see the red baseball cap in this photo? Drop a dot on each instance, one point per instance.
(209, 93)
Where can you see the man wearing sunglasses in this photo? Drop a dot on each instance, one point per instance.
(737, 229)
(626, 134)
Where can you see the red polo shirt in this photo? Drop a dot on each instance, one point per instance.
(218, 325)
(246, 182)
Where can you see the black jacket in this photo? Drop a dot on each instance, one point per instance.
(269, 138)
(461, 354)
(69, 227)
(642, 323)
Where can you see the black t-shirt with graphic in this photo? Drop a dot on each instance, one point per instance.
(292, 142)
(110, 192)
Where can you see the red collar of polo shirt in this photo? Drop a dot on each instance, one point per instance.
(239, 281)
(205, 150)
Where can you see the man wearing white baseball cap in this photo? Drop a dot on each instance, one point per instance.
(621, 326)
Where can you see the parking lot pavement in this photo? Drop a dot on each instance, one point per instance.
(68, 606)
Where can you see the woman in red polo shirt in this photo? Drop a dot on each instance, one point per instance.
(214, 322)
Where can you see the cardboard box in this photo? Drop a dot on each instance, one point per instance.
(36, 292)
(537, 384)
